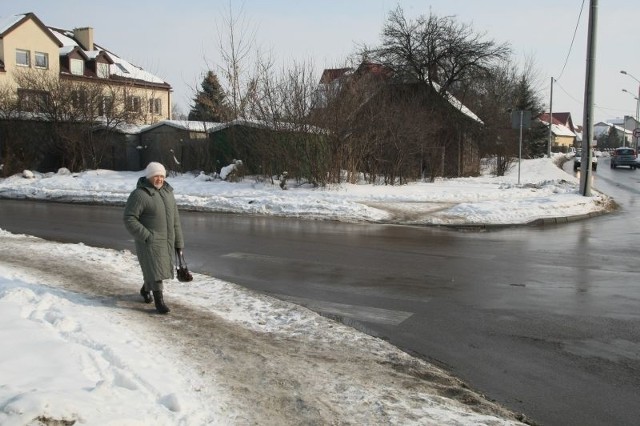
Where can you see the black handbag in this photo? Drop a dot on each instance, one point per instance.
(182, 271)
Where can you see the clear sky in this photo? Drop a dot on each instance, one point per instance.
(179, 40)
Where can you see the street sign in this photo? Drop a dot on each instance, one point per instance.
(520, 119)
(636, 132)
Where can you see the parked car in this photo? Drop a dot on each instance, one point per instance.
(624, 157)
(577, 160)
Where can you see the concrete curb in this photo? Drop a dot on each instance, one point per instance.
(547, 221)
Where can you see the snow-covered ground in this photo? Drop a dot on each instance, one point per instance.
(545, 191)
(79, 345)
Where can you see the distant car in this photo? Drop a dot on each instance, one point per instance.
(624, 157)
(577, 160)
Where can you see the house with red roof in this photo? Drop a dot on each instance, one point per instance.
(564, 133)
(447, 128)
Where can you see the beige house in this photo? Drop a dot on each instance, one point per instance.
(29, 46)
(562, 129)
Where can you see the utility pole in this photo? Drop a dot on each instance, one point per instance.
(520, 119)
(587, 119)
(520, 144)
(637, 98)
(550, 120)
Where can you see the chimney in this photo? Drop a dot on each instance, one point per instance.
(85, 37)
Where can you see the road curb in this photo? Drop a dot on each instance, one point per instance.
(566, 219)
(547, 221)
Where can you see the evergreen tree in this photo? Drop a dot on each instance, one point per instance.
(614, 138)
(526, 99)
(210, 102)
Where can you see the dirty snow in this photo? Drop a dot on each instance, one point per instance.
(79, 344)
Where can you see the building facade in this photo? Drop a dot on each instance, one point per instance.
(30, 51)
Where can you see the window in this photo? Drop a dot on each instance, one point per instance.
(77, 66)
(42, 60)
(624, 151)
(155, 106)
(133, 103)
(79, 99)
(32, 100)
(105, 107)
(23, 57)
(102, 70)
(122, 68)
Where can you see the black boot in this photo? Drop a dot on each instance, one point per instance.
(160, 306)
(146, 295)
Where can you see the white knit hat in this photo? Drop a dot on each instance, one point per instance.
(155, 169)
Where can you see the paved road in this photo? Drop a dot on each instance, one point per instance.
(543, 320)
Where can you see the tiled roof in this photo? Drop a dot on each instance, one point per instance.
(331, 74)
(120, 67)
(558, 127)
(381, 71)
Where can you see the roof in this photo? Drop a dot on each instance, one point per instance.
(560, 118)
(618, 128)
(9, 23)
(66, 50)
(67, 42)
(331, 74)
(372, 68)
(557, 128)
(125, 69)
(457, 104)
(379, 70)
(120, 67)
(545, 118)
(560, 130)
(191, 126)
(212, 127)
(124, 128)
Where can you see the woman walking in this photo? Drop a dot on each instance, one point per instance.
(151, 217)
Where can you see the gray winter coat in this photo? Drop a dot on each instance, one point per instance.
(151, 217)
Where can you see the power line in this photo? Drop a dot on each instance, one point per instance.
(572, 40)
(567, 93)
(598, 107)
(612, 109)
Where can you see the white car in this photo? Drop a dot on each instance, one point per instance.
(577, 160)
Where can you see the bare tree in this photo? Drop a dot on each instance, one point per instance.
(435, 50)
(237, 43)
(508, 87)
(70, 110)
(16, 153)
(400, 117)
(177, 113)
(338, 109)
(383, 128)
(283, 100)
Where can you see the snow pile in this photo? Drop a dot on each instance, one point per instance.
(545, 191)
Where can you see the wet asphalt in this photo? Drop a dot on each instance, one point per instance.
(542, 319)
